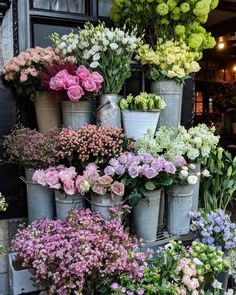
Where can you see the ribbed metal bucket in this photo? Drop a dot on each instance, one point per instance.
(161, 211)
(179, 207)
(108, 111)
(145, 216)
(102, 204)
(196, 187)
(48, 111)
(77, 114)
(65, 203)
(136, 123)
(40, 200)
(172, 92)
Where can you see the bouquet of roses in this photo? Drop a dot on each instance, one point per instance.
(81, 83)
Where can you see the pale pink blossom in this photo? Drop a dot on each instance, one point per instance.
(39, 177)
(75, 93)
(69, 187)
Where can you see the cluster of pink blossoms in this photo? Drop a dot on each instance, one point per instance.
(76, 85)
(27, 64)
(90, 144)
(70, 256)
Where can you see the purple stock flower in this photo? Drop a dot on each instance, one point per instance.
(133, 171)
(147, 158)
(179, 161)
(158, 164)
(149, 172)
(120, 169)
(109, 170)
(169, 167)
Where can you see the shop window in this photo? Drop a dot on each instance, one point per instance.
(69, 6)
(198, 103)
(104, 7)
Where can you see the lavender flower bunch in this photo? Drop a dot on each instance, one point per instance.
(214, 229)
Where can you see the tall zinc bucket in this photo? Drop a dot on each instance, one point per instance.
(161, 211)
(40, 199)
(108, 111)
(179, 207)
(48, 111)
(145, 216)
(196, 187)
(172, 92)
(77, 114)
(102, 204)
(65, 203)
(136, 123)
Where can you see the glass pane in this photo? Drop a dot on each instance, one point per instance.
(72, 6)
(104, 7)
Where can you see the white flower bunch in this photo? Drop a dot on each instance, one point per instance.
(3, 204)
(65, 44)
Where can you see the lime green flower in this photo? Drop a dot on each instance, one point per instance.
(171, 4)
(202, 8)
(214, 4)
(185, 7)
(210, 42)
(162, 9)
(179, 30)
(195, 41)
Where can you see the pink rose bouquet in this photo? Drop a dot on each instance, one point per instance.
(100, 185)
(81, 83)
(59, 178)
(23, 71)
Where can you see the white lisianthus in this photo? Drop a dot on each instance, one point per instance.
(184, 173)
(124, 41)
(94, 64)
(62, 45)
(105, 42)
(84, 44)
(184, 168)
(86, 54)
(109, 35)
(114, 46)
(217, 285)
(95, 48)
(192, 179)
(206, 173)
(191, 166)
(96, 57)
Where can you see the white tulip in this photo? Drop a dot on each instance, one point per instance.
(113, 46)
(192, 179)
(96, 57)
(206, 173)
(94, 64)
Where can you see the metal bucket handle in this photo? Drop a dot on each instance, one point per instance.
(22, 178)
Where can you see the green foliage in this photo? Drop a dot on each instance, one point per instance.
(219, 189)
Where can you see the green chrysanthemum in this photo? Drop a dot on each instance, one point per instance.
(195, 41)
(185, 7)
(179, 30)
(162, 9)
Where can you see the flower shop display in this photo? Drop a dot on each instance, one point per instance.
(89, 144)
(175, 270)
(77, 255)
(143, 176)
(64, 183)
(109, 51)
(78, 88)
(23, 72)
(3, 203)
(218, 189)
(214, 229)
(140, 113)
(105, 192)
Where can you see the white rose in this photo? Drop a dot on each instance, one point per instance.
(94, 64)
(114, 46)
(192, 179)
(105, 42)
(206, 173)
(96, 57)
(184, 168)
(124, 41)
(184, 173)
(191, 166)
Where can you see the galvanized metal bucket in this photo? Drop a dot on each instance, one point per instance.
(40, 199)
(102, 204)
(65, 203)
(108, 111)
(172, 92)
(179, 207)
(77, 114)
(136, 123)
(145, 216)
(161, 222)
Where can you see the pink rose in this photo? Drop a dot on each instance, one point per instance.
(56, 83)
(69, 187)
(75, 93)
(97, 77)
(105, 180)
(23, 77)
(89, 84)
(67, 174)
(60, 168)
(39, 177)
(71, 81)
(62, 75)
(117, 189)
(82, 72)
(91, 167)
(52, 178)
(92, 175)
(99, 189)
(82, 185)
